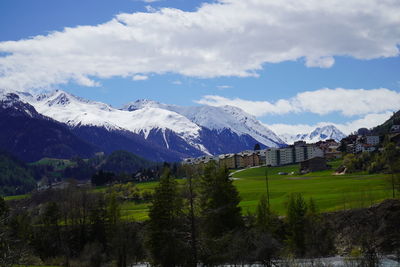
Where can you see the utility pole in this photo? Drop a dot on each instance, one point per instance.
(267, 183)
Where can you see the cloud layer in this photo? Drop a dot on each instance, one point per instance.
(348, 102)
(225, 38)
(368, 121)
(372, 107)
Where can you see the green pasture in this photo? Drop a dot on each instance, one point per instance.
(330, 192)
(58, 164)
(16, 197)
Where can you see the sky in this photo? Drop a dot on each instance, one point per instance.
(295, 65)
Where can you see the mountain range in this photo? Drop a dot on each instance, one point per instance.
(318, 134)
(153, 130)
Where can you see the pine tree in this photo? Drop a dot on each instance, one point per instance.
(263, 214)
(318, 237)
(165, 240)
(391, 157)
(220, 216)
(191, 197)
(296, 221)
(219, 202)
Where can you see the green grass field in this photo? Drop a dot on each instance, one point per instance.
(16, 197)
(331, 192)
(58, 164)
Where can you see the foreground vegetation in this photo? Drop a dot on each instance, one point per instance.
(194, 220)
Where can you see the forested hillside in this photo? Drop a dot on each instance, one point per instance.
(384, 128)
(15, 176)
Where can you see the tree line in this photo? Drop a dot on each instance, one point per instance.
(197, 221)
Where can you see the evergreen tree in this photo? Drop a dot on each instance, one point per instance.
(263, 214)
(266, 224)
(219, 202)
(165, 240)
(319, 240)
(391, 156)
(190, 194)
(296, 221)
(220, 215)
(3, 207)
(113, 210)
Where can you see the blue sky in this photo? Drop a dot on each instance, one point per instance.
(285, 68)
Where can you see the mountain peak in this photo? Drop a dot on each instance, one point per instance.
(318, 134)
(141, 103)
(11, 102)
(61, 98)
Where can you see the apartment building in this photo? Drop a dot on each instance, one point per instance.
(293, 154)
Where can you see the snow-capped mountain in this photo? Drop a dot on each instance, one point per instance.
(218, 119)
(31, 136)
(183, 131)
(318, 134)
(77, 112)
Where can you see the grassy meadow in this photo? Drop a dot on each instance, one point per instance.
(330, 192)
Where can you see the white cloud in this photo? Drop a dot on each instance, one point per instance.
(348, 102)
(221, 87)
(321, 62)
(368, 121)
(139, 77)
(177, 82)
(256, 108)
(224, 38)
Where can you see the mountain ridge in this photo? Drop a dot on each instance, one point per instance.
(162, 132)
(322, 133)
(185, 130)
(31, 136)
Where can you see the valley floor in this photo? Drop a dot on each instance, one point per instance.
(331, 192)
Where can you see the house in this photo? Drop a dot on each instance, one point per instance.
(330, 148)
(314, 164)
(373, 140)
(227, 161)
(395, 129)
(395, 138)
(350, 148)
(261, 156)
(189, 161)
(250, 159)
(368, 148)
(362, 143)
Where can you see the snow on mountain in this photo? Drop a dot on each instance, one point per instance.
(11, 101)
(76, 111)
(191, 131)
(318, 134)
(219, 119)
(31, 136)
